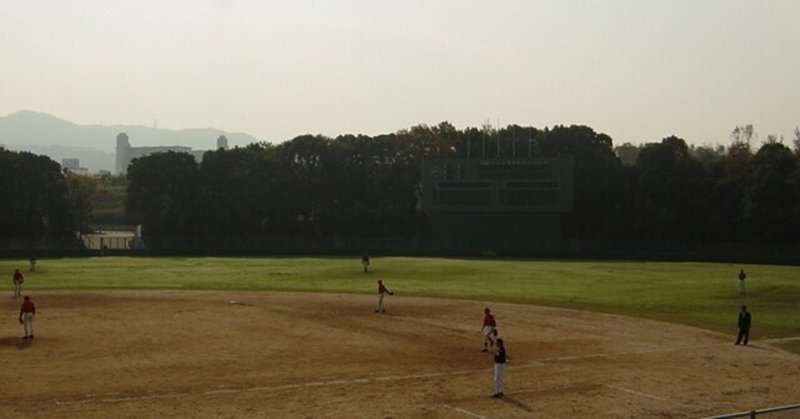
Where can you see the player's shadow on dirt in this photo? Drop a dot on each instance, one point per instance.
(516, 403)
(16, 342)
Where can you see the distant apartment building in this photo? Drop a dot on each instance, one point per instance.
(126, 153)
(73, 165)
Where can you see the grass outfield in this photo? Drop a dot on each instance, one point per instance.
(705, 295)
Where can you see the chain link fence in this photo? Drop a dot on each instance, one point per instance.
(779, 412)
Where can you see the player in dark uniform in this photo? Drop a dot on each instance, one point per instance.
(365, 262)
(744, 326)
(499, 369)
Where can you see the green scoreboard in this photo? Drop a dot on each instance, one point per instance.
(497, 185)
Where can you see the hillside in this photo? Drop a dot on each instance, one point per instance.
(94, 144)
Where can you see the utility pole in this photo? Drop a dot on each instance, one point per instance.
(468, 143)
(514, 144)
(530, 140)
(498, 137)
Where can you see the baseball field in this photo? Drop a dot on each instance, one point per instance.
(297, 337)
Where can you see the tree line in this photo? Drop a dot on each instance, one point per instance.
(43, 206)
(358, 186)
(362, 186)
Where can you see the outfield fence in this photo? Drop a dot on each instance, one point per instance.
(780, 412)
(770, 253)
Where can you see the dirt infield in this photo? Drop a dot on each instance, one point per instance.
(264, 354)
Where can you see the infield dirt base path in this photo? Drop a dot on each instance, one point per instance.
(136, 354)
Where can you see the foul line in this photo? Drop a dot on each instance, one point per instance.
(466, 412)
(638, 393)
(540, 362)
(532, 364)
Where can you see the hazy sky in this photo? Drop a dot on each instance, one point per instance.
(637, 70)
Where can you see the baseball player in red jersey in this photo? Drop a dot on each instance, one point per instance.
(382, 291)
(26, 313)
(489, 324)
(18, 280)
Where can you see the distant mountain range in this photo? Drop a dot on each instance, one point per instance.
(94, 145)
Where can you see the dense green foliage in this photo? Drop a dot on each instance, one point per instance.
(360, 186)
(36, 203)
(700, 294)
(44, 207)
(108, 201)
(366, 187)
